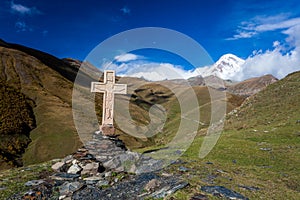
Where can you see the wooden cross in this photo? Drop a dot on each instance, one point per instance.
(109, 88)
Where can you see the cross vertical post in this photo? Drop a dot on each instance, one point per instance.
(109, 88)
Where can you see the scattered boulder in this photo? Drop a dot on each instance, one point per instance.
(250, 188)
(210, 179)
(221, 191)
(102, 183)
(266, 149)
(152, 185)
(183, 169)
(170, 189)
(58, 166)
(92, 180)
(91, 168)
(199, 197)
(68, 188)
(65, 177)
(74, 169)
(34, 183)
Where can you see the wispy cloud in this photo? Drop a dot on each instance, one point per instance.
(126, 57)
(23, 10)
(261, 24)
(125, 10)
(21, 26)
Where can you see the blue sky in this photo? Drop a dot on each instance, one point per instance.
(71, 28)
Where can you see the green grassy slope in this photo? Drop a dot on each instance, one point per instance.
(260, 146)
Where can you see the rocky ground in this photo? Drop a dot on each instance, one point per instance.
(105, 169)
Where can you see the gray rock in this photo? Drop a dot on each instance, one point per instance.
(266, 149)
(183, 169)
(68, 188)
(74, 169)
(250, 188)
(210, 179)
(107, 174)
(152, 185)
(57, 166)
(102, 183)
(34, 183)
(165, 191)
(116, 180)
(68, 159)
(92, 180)
(90, 168)
(199, 197)
(112, 164)
(221, 191)
(65, 177)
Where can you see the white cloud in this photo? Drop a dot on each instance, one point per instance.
(262, 24)
(283, 58)
(279, 62)
(243, 34)
(159, 71)
(280, 25)
(126, 57)
(23, 10)
(151, 70)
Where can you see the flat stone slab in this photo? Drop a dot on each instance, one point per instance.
(221, 191)
(65, 177)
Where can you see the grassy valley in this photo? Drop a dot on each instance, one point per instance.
(259, 147)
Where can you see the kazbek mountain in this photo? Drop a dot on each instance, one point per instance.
(225, 68)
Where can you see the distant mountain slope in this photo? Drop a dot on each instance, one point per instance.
(251, 86)
(278, 104)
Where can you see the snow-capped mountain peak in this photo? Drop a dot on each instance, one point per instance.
(225, 68)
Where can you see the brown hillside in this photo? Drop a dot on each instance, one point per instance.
(54, 135)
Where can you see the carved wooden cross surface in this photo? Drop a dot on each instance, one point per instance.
(109, 88)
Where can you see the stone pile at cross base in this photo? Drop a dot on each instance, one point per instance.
(104, 169)
(113, 154)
